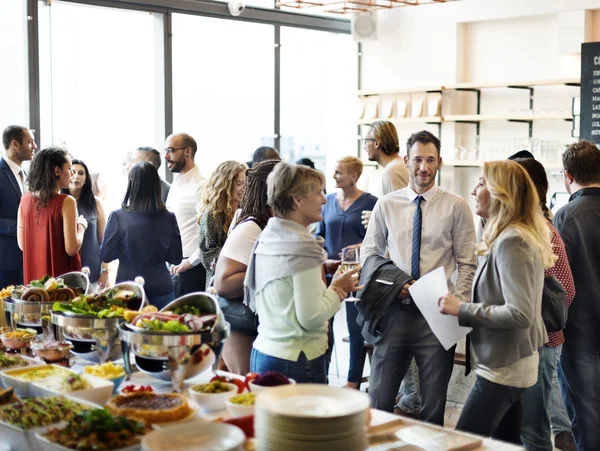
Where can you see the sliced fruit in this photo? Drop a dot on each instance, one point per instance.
(51, 285)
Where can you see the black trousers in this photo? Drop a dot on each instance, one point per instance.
(8, 278)
(190, 281)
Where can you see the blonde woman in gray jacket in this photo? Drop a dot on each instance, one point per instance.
(505, 311)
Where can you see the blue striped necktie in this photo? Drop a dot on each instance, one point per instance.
(416, 240)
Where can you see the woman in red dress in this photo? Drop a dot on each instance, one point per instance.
(49, 231)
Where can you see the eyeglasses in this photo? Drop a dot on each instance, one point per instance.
(562, 172)
(364, 140)
(172, 150)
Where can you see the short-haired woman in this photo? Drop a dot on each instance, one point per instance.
(233, 262)
(143, 235)
(221, 196)
(91, 209)
(506, 308)
(342, 226)
(285, 283)
(48, 229)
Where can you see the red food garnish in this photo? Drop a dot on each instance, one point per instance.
(249, 378)
(241, 385)
(246, 424)
(136, 389)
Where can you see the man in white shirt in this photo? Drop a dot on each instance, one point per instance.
(382, 146)
(184, 200)
(19, 146)
(423, 227)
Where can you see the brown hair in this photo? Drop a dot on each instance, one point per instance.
(582, 160)
(537, 172)
(385, 132)
(423, 137)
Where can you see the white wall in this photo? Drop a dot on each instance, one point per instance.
(478, 41)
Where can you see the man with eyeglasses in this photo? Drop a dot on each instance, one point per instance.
(382, 146)
(184, 200)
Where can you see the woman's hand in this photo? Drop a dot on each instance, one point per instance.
(449, 305)
(184, 266)
(103, 280)
(345, 282)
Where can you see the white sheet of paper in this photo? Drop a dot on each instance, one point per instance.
(425, 292)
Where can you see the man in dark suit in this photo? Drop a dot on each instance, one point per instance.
(19, 146)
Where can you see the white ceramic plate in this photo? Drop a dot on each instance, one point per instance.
(312, 401)
(195, 436)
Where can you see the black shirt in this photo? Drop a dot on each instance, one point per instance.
(143, 243)
(579, 225)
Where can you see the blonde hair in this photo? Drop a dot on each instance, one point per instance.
(218, 191)
(355, 165)
(385, 132)
(514, 203)
(287, 181)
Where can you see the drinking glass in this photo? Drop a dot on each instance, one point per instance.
(350, 260)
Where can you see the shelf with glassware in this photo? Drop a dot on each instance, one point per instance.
(424, 105)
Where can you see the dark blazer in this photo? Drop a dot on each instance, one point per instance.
(10, 197)
(383, 283)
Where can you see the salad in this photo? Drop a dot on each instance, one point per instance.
(108, 304)
(12, 361)
(170, 322)
(36, 412)
(98, 430)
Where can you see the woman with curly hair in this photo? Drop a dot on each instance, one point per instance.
(48, 229)
(221, 196)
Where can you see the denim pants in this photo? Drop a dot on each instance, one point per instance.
(357, 344)
(303, 371)
(493, 410)
(161, 301)
(406, 336)
(579, 379)
(539, 409)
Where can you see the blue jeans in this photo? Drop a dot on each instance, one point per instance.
(406, 336)
(303, 371)
(357, 345)
(161, 301)
(410, 394)
(493, 410)
(539, 409)
(579, 379)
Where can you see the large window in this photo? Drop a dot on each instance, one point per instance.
(318, 97)
(102, 85)
(223, 87)
(13, 64)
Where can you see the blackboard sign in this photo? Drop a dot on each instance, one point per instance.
(590, 92)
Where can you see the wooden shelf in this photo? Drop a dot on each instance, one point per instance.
(519, 83)
(490, 118)
(401, 120)
(400, 91)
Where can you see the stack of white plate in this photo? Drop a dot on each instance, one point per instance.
(311, 417)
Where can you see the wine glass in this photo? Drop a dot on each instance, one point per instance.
(350, 260)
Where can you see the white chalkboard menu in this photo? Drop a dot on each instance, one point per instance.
(590, 92)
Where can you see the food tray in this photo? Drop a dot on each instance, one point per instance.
(18, 439)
